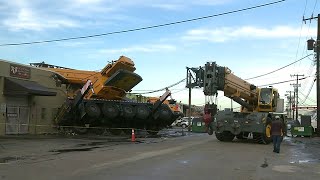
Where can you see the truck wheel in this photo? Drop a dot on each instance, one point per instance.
(226, 136)
(265, 137)
(92, 109)
(142, 112)
(128, 111)
(110, 110)
(210, 130)
(261, 138)
(163, 113)
(242, 135)
(219, 136)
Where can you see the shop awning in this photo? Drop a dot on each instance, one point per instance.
(22, 87)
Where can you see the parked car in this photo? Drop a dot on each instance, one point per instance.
(176, 122)
(185, 122)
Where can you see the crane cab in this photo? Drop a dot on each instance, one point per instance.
(268, 100)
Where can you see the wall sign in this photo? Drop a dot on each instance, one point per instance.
(20, 71)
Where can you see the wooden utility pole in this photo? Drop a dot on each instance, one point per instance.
(290, 104)
(296, 87)
(316, 48)
(189, 121)
(294, 104)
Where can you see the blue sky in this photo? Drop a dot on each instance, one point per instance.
(250, 43)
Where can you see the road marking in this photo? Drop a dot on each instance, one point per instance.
(144, 155)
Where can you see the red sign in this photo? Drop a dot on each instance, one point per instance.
(20, 71)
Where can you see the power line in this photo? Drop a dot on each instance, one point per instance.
(309, 72)
(179, 91)
(146, 90)
(144, 28)
(315, 5)
(279, 68)
(307, 97)
(304, 11)
(162, 89)
(309, 91)
(281, 82)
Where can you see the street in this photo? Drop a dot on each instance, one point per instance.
(193, 156)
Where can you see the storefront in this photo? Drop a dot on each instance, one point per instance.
(29, 99)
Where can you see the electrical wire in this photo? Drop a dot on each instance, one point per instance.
(144, 28)
(302, 22)
(284, 81)
(306, 97)
(305, 6)
(162, 89)
(313, 60)
(279, 68)
(315, 5)
(179, 91)
(309, 72)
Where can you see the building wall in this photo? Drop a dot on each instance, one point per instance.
(42, 108)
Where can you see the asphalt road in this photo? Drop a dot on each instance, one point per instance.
(195, 156)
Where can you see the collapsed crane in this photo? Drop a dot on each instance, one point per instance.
(97, 99)
(258, 105)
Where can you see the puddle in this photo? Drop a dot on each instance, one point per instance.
(5, 160)
(305, 161)
(91, 144)
(88, 147)
(73, 150)
(265, 164)
(184, 162)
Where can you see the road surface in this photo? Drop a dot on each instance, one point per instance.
(194, 156)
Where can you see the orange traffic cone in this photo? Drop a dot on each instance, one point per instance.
(133, 136)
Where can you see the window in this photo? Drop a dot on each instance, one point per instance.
(265, 95)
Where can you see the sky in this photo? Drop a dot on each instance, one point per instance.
(250, 43)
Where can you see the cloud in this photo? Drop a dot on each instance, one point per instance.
(27, 19)
(175, 5)
(168, 6)
(145, 49)
(248, 32)
(183, 4)
(86, 2)
(39, 15)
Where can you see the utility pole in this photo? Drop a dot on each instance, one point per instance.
(316, 48)
(296, 93)
(287, 105)
(290, 104)
(189, 121)
(293, 104)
